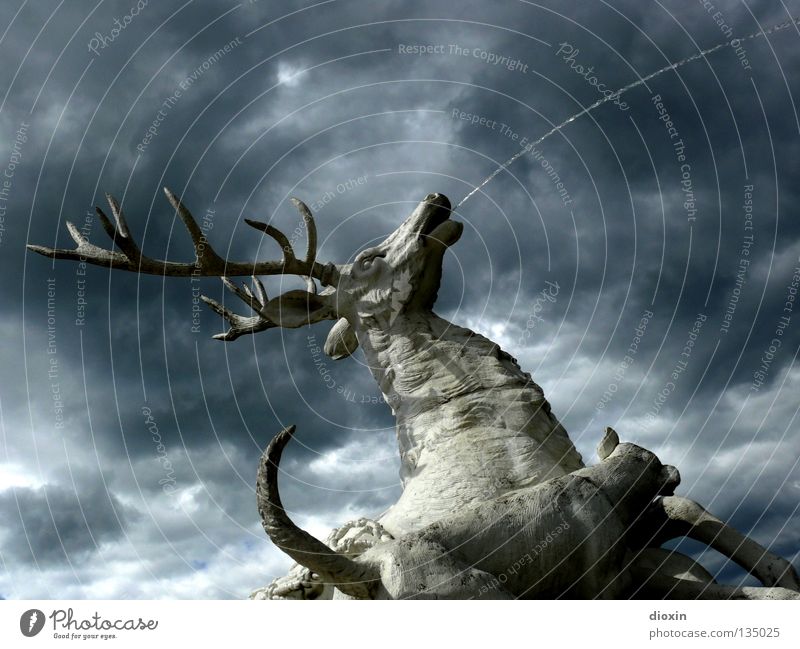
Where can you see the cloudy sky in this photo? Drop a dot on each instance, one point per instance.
(130, 438)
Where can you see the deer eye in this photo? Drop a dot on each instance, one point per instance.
(366, 262)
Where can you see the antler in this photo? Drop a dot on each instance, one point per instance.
(207, 262)
(283, 242)
(242, 325)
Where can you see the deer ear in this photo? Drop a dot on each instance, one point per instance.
(607, 445)
(341, 341)
(298, 308)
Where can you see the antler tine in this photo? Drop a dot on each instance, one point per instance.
(245, 295)
(311, 234)
(205, 256)
(240, 325)
(311, 229)
(261, 292)
(108, 226)
(76, 234)
(275, 233)
(84, 251)
(119, 217)
(207, 262)
(121, 234)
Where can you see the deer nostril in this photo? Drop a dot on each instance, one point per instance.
(439, 200)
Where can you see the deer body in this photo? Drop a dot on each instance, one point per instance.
(470, 423)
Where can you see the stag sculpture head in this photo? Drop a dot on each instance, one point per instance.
(383, 282)
(402, 273)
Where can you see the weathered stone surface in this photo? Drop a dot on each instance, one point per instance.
(352, 539)
(584, 515)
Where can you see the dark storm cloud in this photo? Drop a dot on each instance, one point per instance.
(324, 96)
(61, 524)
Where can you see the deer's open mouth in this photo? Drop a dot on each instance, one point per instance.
(436, 224)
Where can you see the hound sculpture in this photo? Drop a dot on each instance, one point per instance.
(479, 446)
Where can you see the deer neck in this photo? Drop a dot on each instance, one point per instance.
(470, 423)
(420, 361)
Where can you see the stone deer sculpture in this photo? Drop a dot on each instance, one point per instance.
(565, 537)
(472, 426)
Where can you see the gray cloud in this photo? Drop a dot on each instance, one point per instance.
(61, 524)
(304, 104)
